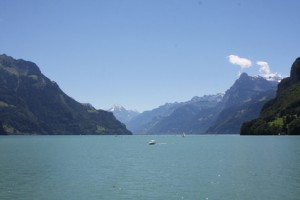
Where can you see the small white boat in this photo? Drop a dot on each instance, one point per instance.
(183, 135)
(151, 142)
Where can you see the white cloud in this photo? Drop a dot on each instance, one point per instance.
(265, 71)
(242, 62)
(264, 67)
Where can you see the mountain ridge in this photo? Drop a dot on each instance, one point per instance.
(30, 103)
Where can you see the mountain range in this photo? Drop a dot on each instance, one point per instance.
(209, 114)
(280, 115)
(30, 103)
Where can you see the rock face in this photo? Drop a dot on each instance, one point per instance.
(30, 103)
(280, 115)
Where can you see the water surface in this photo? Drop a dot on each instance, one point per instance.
(126, 167)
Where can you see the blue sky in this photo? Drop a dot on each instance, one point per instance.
(144, 53)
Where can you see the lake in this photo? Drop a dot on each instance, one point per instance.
(204, 167)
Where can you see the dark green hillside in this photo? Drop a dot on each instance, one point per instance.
(30, 103)
(2, 131)
(282, 114)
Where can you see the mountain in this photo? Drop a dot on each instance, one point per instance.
(122, 114)
(142, 122)
(230, 120)
(280, 115)
(175, 118)
(242, 102)
(221, 113)
(209, 114)
(30, 103)
(193, 117)
(244, 88)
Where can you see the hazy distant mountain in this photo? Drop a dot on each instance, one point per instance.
(141, 123)
(122, 114)
(175, 118)
(30, 103)
(280, 115)
(192, 117)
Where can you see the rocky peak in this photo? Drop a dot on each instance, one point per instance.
(244, 76)
(245, 87)
(293, 79)
(295, 71)
(21, 66)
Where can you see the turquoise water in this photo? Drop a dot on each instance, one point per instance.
(126, 167)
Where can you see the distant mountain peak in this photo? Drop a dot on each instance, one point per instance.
(245, 87)
(122, 114)
(244, 75)
(116, 107)
(271, 77)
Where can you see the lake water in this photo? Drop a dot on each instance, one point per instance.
(126, 167)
